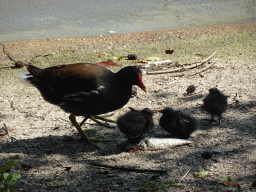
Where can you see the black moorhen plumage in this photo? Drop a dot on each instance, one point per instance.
(178, 124)
(135, 124)
(191, 89)
(84, 89)
(215, 103)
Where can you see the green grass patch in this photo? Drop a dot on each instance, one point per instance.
(240, 46)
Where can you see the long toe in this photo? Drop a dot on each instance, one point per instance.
(72, 118)
(94, 118)
(219, 119)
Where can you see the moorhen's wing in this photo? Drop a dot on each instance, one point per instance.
(72, 78)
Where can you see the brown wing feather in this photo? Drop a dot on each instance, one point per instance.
(72, 77)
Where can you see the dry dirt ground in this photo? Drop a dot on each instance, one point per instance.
(42, 141)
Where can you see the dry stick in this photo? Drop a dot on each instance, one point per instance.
(7, 53)
(181, 68)
(15, 61)
(203, 69)
(129, 169)
(45, 56)
(27, 113)
(184, 176)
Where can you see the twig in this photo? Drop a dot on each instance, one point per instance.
(184, 176)
(129, 168)
(182, 68)
(203, 69)
(39, 56)
(7, 53)
(27, 113)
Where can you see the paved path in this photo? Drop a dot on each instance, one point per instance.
(71, 18)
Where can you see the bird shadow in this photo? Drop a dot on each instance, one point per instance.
(193, 97)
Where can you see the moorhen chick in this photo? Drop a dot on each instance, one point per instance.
(178, 124)
(191, 89)
(84, 89)
(135, 124)
(215, 103)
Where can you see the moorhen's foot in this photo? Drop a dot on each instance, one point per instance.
(72, 118)
(105, 119)
(82, 123)
(99, 117)
(95, 117)
(107, 115)
(133, 147)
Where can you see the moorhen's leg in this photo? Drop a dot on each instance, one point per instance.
(82, 123)
(107, 115)
(100, 123)
(95, 117)
(72, 118)
(104, 119)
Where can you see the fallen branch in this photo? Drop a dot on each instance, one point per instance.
(45, 56)
(19, 64)
(129, 168)
(7, 53)
(183, 68)
(203, 69)
(27, 113)
(184, 176)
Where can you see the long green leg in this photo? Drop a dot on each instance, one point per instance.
(104, 119)
(95, 117)
(72, 118)
(98, 122)
(107, 115)
(85, 118)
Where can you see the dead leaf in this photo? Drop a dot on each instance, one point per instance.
(169, 51)
(107, 63)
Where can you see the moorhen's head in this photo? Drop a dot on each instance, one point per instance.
(214, 90)
(131, 75)
(147, 111)
(167, 111)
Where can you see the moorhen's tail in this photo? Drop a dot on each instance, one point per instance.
(29, 79)
(48, 93)
(25, 78)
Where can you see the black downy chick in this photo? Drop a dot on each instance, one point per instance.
(178, 124)
(191, 89)
(135, 124)
(215, 103)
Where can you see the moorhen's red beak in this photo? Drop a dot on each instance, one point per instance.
(140, 83)
(161, 111)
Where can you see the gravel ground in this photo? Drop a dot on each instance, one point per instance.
(42, 141)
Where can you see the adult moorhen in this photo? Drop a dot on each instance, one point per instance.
(84, 89)
(135, 124)
(178, 124)
(215, 103)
